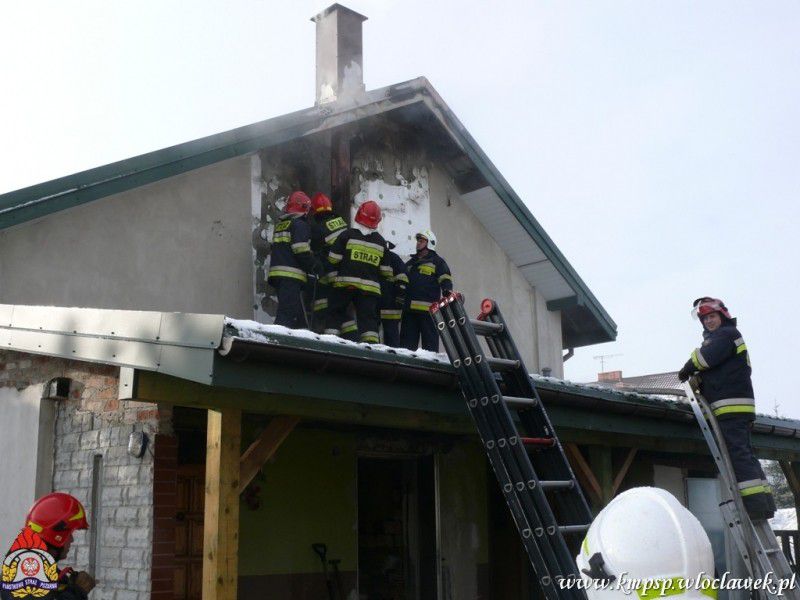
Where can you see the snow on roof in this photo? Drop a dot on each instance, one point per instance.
(270, 334)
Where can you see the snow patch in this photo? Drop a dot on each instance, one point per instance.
(785, 518)
(268, 334)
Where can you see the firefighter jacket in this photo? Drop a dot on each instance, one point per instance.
(428, 278)
(393, 288)
(325, 228)
(724, 366)
(361, 261)
(291, 256)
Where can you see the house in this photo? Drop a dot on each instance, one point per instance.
(139, 372)
(663, 384)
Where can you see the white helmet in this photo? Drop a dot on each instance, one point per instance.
(645, 534)
(430, 236)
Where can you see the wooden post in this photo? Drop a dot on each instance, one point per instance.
(221, 523)
(791, 469)
(340, 173)
(600, 460)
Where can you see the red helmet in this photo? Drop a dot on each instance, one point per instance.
(369, 214)
(55, 516)
(298, 203)
(707, 305)
(321, 203)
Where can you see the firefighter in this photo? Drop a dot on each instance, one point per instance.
(47, 534)
(291, 261)
(428, 278)
(325, 228)
(393, 298)
(723, 364)
(645, 534)
(360, 257)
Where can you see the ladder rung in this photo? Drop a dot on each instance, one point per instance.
(557, 485)
(502, 364)
(567, 529)
(517, 402)
(486, 327)
(540, 442)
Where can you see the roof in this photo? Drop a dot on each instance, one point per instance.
(224, 353)
(485, 191)
(655, 383)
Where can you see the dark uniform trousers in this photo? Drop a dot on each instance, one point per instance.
(753, 485)
(391, 332)
(290, 303)
(416, 324)
(366, 306)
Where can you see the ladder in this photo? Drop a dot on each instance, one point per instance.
(762, 554)
(537, 482)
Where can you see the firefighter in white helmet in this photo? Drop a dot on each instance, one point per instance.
(646, 535)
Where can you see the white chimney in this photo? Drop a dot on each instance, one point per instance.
(339, 54)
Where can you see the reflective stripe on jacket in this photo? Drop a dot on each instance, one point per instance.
(291, 249)
(360, 261)
(724, 365)
(428, 278)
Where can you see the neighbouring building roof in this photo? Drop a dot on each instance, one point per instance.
(415, 102)
(655, 383)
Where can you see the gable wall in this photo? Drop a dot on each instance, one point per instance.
(180, 244)
(481, 268)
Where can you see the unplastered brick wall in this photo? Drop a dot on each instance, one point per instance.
(91, 423)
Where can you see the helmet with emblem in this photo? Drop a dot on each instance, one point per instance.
(298, 203)
(428, 235)
(321, 203)
(369, 214)
(55, 517)
(707, 305)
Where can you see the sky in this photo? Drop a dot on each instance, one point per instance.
(656, 142)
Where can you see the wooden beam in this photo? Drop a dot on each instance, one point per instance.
(623, 471)
(264, 447)
(584, 472)
(221, 522)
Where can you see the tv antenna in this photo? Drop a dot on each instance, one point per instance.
(602, 358)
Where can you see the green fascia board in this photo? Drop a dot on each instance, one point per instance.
(620, 407)
(522, 214)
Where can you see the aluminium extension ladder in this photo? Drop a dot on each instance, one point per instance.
(755, 541)
(546, 502)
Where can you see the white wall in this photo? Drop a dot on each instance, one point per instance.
(22, 412)
(481, 268)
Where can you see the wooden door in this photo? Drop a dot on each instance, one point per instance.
(189, 532)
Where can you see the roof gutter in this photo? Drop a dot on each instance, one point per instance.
(320, 361)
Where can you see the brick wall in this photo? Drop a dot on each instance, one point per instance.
(93, 422)
(165, 474)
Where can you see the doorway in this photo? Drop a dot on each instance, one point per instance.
(396, 529)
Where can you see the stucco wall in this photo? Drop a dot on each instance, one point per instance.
(481, 268)
(181, 244)
(19, 439)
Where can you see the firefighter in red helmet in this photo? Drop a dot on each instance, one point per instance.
(326, 226)
(291, 260)
(360, 258)
(722, 364)
(47, 533)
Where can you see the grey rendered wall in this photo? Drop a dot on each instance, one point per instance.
(181, 244)
(19, 438)
(481, 268)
